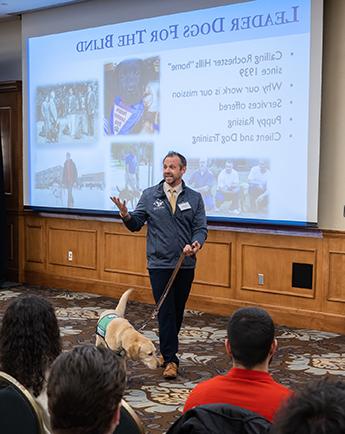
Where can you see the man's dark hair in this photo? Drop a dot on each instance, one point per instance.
(85, 387)
(317, 409)
(251, 333)
(29, 340)
(183, 161)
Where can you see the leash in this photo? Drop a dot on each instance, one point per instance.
(165, 292)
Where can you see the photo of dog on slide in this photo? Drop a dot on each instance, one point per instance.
(130, 196)
(115, 332)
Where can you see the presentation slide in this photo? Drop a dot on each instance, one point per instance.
(229, 87)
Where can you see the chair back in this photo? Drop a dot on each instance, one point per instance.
(130, 422)
(220, 418)
(19, 412)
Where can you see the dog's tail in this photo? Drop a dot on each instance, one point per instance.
(121, 306)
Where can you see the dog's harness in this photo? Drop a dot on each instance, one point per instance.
(101, 330)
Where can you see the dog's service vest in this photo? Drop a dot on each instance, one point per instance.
(103, 324)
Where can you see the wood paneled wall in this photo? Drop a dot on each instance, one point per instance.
(107, 258)
(11, 144)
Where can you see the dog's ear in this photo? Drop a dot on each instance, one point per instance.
(133, 351)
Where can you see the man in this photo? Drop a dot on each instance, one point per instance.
(176, 220)
(131, 170)
(90, 109)
(202, 180)
(251, 345)
(85, 389)
(69, 178)
(317, 408)
(53, 133)
(72, 112)
(228, 188)
(258, 183)
(45, 116)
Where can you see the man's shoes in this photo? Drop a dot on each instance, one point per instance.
(170, 371)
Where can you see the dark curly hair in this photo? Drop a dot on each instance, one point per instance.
(29, 340)
(316, 409)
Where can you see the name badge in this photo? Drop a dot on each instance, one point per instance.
(184, 205)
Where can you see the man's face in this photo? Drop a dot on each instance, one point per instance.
(172, 171)
(262, 166)
(202, 166)
(228, 167)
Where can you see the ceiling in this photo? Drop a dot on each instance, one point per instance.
(9, 9)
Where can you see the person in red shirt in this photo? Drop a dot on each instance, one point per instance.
(251, 345)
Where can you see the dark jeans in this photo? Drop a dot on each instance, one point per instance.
(171, 312)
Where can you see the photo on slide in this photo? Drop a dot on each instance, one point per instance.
(131, 170)
(70, 182)
(131, 96)
(67, 113)
(232, 186)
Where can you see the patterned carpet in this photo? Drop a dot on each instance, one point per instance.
(302, 354)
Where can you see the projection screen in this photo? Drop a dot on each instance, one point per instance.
(234, 88)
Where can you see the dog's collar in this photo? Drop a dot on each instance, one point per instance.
(121, 352)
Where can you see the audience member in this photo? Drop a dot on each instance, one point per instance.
(85, 389)
(251, 345)
(317, 409)
(219, 419)
(29, 343)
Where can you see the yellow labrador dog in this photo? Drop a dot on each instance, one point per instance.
(115, 332)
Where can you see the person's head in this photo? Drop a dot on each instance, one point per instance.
(262, 166)
(68, 156)
(202, 165)
(174, 167)
(229, 166)
(85, 389)
(29, 340)
(156, 64)
(317, 409)
(250, 340)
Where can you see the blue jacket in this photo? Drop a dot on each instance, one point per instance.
(168, 233)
